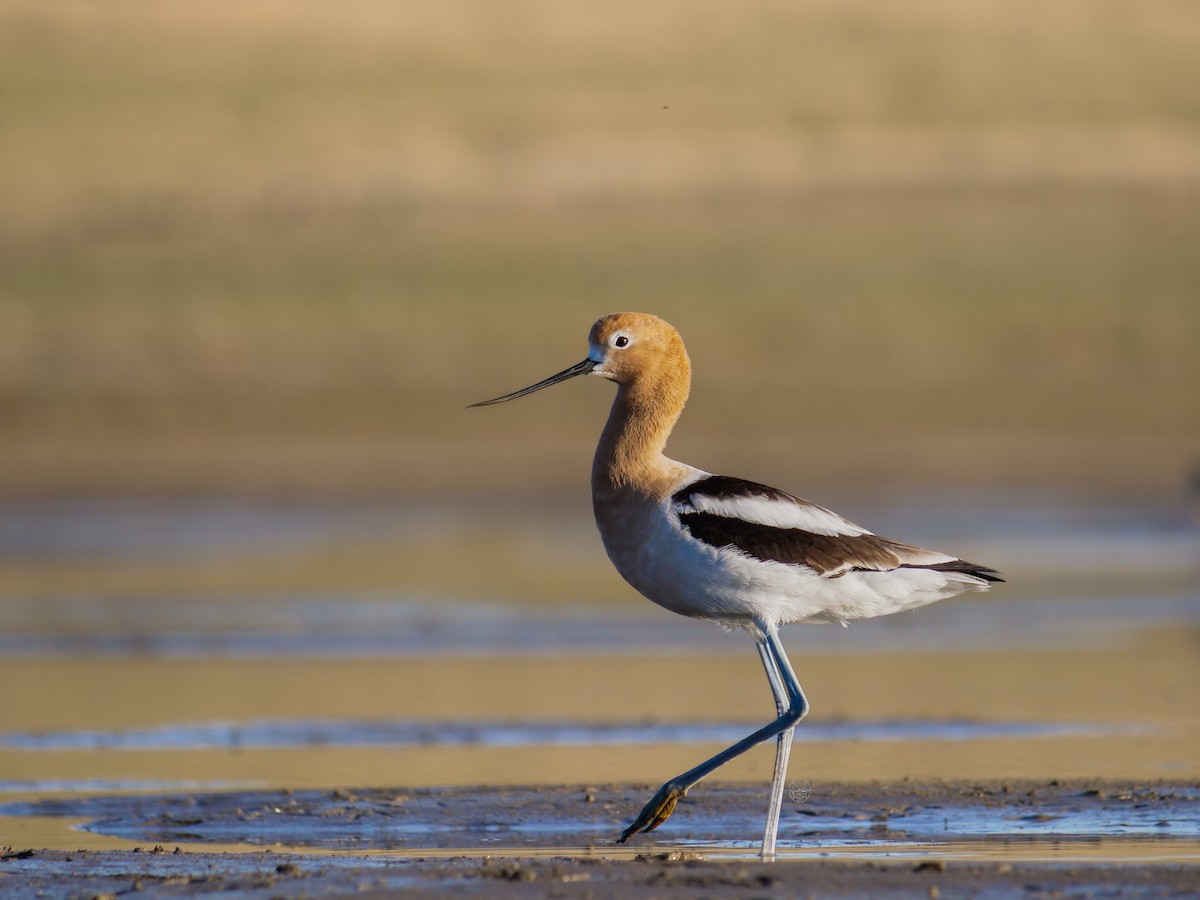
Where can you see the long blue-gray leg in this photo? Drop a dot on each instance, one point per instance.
(788, 696)
(791, 707)
(773, 677)
(783, 747)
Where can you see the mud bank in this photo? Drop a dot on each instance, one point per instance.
(267, 874)
(890, 839)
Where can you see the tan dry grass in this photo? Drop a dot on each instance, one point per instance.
(310, 229)
(209, 111)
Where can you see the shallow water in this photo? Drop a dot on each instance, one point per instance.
(349, 733)
(1016, 820)
(257, 626)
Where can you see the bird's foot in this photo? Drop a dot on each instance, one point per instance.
(657, 811)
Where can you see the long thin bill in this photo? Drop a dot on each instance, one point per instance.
(578, 369)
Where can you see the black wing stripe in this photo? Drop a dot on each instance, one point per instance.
(820, 552)
(725, 487)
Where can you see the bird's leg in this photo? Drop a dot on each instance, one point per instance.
(788, 695)
(783, 748)
(768, 662)
(783, 681)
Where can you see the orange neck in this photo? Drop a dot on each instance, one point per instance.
(630, 452)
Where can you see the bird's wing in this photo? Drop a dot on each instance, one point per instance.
(771, 525)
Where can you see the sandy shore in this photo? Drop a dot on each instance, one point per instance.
(267, 874)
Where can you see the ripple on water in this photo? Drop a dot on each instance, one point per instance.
(301, 733)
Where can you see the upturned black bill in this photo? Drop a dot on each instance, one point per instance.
(578, 369)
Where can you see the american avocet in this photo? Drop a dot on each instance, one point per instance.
(727, 550)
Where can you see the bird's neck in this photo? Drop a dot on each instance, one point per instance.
(630, 452)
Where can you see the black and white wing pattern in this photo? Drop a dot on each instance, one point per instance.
(771, 525)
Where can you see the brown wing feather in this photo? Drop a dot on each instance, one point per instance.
(820, 552)
(831, 555)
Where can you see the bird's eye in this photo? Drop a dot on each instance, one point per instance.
(621, 340)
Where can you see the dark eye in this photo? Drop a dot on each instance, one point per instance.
(620, 341)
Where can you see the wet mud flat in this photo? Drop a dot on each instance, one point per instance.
(892, 839)
(108, 874)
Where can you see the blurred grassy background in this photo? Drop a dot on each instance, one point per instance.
(276, 247)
